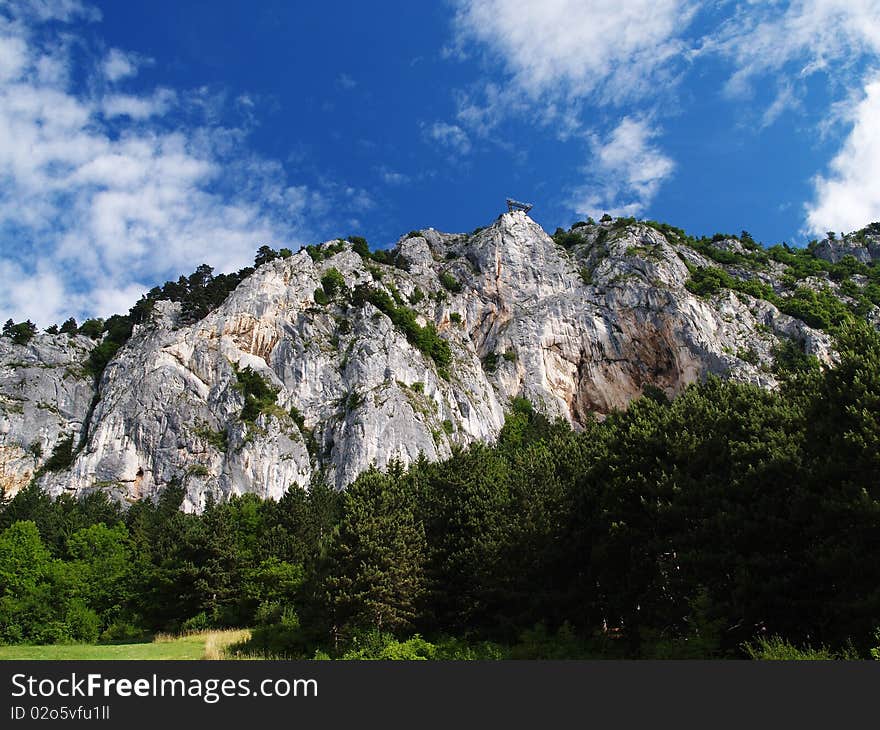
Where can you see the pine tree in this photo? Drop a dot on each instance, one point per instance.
(375, 578)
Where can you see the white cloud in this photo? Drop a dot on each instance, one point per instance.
(392, 177)
(562, 54)
(138, 107)
(119, 65)
(103, 194)
(848, 197)
(13, 57)
(804, 37)
(450, 136)
(625, 171)
(42, 11)
(792, 42)
(618, 50)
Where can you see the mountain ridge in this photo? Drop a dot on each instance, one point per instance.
(321, 363)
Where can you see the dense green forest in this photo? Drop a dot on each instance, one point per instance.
(730, 522)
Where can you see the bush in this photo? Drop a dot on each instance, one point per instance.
(218, 439)
(426, 339)
(100, 356)
(567, 239)
(20, 333)
(332, 281)
(83, 624)
(449, 282)
(92, 328)
(62, 456)
(775, 648)
(360, 246)
(384, 647)
(122, 632)
(259, 396)
(282, 639)
(321, 297)
(789, 357)
(708, 281)
(821, 310)
(748, 354)
(199, 622)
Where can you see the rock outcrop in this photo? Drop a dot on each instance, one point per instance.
(46, 394)
(863, 246)
(578, 329)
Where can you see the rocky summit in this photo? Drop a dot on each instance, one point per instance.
(327, 361)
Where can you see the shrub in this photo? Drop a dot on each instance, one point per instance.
(259, 396)
(360, 246)
(321, 297)
(416, 296)
(448, 427)
(218, 439)
(566, 239)
(455, 318)
(83, 624)
(708, 281)
(449, 282)
(122, 632)
(92, 328)
(199, 622)
(821, 310)
(426, 339)
(198, 470)
(353, 401)
(20, 333)
(100, 356)
(776, 648)
(332, 281)
(789, 357)
(62, 456)
(748, 354)
(319, 253)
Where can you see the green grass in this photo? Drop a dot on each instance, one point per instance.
(203, 645)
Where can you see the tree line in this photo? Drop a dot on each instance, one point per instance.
(687, 528)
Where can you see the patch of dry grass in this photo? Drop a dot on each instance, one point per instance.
(216, 642)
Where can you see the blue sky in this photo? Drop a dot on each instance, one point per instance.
(140, 139)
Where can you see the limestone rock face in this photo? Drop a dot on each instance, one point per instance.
(864, 247)
(45, 397)
(577, 330)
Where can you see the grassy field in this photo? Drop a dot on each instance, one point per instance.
(203, 645)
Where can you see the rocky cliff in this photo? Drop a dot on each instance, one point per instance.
(291, 377)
